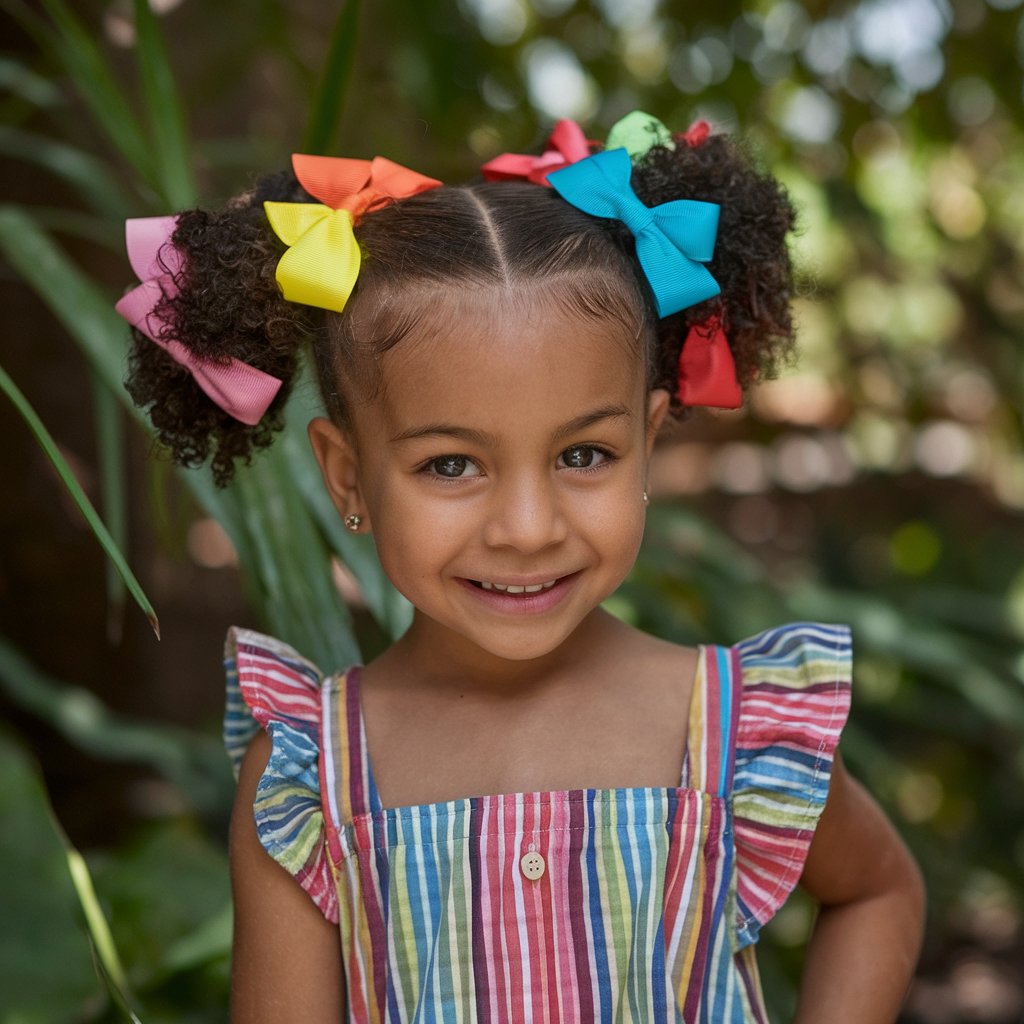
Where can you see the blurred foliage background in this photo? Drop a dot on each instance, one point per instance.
(879, 481)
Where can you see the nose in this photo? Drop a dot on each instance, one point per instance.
(526, 513)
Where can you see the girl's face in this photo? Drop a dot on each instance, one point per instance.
(501, 469)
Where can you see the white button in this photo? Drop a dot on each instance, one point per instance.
(532, 864)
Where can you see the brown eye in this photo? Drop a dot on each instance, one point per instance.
(579, 457)
(453, 466)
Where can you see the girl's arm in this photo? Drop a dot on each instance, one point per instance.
(867, 936)
(286, 958)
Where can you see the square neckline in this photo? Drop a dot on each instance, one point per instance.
(353, 678)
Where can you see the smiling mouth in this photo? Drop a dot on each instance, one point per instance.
(512, 588)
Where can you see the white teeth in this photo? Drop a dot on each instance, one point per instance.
(511, 588)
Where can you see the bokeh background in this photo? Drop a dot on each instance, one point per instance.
(879, 480)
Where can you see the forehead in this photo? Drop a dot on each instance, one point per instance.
(503, 364)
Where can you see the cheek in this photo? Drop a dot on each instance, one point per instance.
(617, 520)
(406, 558)
(415, 537)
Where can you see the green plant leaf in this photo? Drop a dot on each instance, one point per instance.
(81, 306)
(99, 930)
(88, 175)
(285, 561)
(21, 80)
(75, 224)
(165, 115)
(194, 762)
(46, 970)
(325, 115)
(290, 575)
(74, 47)
(937, 653)
(183, 925)
(210, 941)
(114, 500)
(73, 487)
(357, 552)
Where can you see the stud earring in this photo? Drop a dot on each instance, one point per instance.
(353, 522)
(647, 500)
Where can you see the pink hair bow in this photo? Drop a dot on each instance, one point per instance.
(566, 145)
(239, 389)
(707, 370)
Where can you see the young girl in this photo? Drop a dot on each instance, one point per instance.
(524, 809)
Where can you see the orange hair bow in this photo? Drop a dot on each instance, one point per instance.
(322, 262)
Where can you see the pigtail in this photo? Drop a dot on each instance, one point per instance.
(224, 304)
(218, 301)
(751, 260)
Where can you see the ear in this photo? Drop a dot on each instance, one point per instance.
(657, 408)
(339, 465)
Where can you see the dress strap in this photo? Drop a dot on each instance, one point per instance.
(351, 790)
(714, 716)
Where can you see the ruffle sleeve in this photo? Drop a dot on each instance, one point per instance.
(271, 686)
(794, 701)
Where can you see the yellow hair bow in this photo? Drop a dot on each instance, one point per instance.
(322, 262)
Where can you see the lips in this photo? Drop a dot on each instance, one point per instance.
(515, 588)
(523, 597)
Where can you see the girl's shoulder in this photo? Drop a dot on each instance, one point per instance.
(790, 700)
(267, 681)
(270, 686)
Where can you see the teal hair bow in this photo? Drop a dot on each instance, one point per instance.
(673, 240)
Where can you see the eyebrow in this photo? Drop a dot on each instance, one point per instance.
(485, 439)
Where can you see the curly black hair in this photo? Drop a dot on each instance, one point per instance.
(485, 234)
(751, 261)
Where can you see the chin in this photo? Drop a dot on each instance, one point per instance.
(523, 645)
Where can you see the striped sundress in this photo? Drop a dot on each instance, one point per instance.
(625, 905)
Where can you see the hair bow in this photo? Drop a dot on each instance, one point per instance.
(697, 134)
(566, 145)
(638, 133)
(673, 240)
(240, 390)
(707, 370)
(322, 262)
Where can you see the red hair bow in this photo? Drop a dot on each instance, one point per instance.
(697, 133)
(707, 370)
(566, 145)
